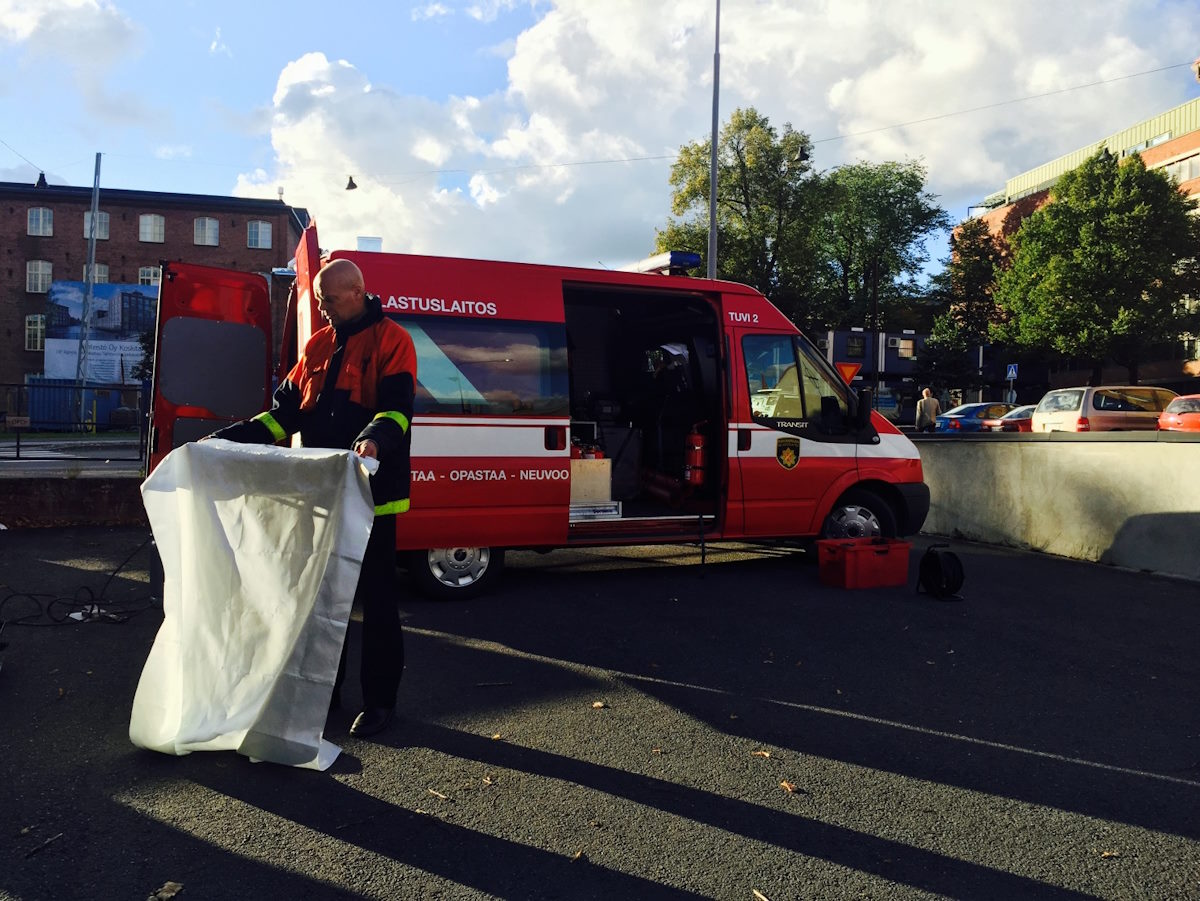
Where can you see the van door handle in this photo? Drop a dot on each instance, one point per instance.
(743, 439)
(556, 437)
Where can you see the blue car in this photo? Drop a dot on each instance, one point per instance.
(969, 417)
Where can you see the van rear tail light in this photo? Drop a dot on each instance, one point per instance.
(1083, 425)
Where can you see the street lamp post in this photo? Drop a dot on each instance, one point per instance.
(712, 163)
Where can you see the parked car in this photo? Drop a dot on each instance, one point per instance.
(1017, 420)
(970, 417)
(1107, 408)
(1181, 415)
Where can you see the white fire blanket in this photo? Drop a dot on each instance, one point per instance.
(261, 548)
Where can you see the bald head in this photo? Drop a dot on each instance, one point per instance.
(341, 292)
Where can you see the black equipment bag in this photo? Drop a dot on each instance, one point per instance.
(941, 573)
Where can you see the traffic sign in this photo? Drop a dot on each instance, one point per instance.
(1012, 372)
(848, 370)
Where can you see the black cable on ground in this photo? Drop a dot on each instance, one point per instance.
(84, 606)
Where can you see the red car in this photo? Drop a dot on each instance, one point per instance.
(1017, 420)
(1181, 415)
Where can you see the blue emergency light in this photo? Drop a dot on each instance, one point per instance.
(672, 262)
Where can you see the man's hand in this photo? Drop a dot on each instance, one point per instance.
(367, 448)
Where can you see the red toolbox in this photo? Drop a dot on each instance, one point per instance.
(863, 562)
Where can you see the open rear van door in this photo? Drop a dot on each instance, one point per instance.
(212, 363)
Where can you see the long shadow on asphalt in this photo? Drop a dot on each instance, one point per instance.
(1079, 694)
(497, 866)
(510, 869)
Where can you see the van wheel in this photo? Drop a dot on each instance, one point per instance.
(454, 573)
(860, 513)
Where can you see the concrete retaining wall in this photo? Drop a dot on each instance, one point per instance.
(1129, 499)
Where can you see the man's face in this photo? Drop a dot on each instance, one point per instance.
(338, 302)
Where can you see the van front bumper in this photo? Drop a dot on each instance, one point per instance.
(915, 496)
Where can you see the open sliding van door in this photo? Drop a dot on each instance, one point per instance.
(212, 363)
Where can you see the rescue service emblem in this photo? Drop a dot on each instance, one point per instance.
(787, 452)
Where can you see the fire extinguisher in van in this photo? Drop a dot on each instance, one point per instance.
(693, 457)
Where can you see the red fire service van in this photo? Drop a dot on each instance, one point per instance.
(560, 407)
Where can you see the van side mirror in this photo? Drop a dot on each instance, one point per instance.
(832, 421)
(862, 412)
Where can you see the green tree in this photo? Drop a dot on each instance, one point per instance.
(966, 288)
(764, 208)
(976, 260)
(874, 220)
(1102, 271)
(145, 366)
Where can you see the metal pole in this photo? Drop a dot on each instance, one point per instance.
(712, 167)
(89, 280)
(875, 326)
(81, 366)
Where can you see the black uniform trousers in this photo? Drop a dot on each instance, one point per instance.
(382, 662)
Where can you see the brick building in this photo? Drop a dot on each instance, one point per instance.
(44, 236)
(1168, 141)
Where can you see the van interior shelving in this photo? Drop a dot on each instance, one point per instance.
(645, 374)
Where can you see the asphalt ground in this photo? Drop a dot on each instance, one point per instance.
(626, 723)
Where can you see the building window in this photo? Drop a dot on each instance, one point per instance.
(35, 332)
(40, 221)
(205, 232)
(101, 270)
(1185, 169)
(101, 224)
(258, 234)
(37, 276)
(856, 346)
(148, 275)
(151, 228)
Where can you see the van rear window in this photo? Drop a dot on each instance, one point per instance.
(1061, 401)
(489, 367)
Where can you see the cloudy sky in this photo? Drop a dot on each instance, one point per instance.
(544, 130)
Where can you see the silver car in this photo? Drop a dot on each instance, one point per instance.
(1108, 408)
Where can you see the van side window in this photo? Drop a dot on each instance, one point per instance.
(471, 366)
(787, 378)
(772, 376)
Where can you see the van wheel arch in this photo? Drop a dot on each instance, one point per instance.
(455, 573)
(862, 512)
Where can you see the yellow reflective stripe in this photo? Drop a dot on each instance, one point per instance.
(393, 507)
(399, 418)
(275, 428)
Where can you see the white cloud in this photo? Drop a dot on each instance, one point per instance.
(89, 38)
(625, 79)
(430, 150)
(430, 11)
(482, 192)
(173, 152)
(219, 47)
(489, 10)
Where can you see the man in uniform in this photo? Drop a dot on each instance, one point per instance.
(353, 388)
